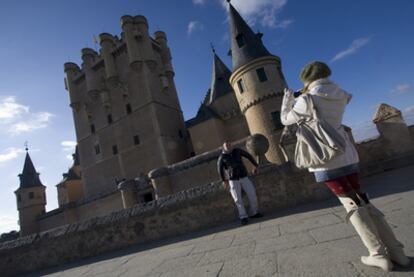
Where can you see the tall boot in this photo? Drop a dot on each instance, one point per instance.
(394, 247)
(365, 227)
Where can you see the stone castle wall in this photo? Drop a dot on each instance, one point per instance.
(81, 210)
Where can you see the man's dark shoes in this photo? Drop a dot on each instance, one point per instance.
(244, 221)
(257, 215)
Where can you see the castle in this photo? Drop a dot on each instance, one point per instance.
(128, 120)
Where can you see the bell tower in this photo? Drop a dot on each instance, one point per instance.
(31, 198)
(258, 82)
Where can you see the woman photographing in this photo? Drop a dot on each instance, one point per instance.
(340, 174)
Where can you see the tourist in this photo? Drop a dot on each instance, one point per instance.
(234, 174)
(340, 174)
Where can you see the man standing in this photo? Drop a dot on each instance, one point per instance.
(234, 174)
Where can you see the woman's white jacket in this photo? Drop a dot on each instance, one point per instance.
(330, 102)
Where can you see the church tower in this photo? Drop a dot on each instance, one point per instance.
(31, 198)
(258, 82)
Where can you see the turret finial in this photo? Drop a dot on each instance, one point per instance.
(212, 48)
(26, 146)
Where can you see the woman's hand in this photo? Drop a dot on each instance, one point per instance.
(289, 93)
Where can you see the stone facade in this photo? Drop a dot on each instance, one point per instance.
(125, 107)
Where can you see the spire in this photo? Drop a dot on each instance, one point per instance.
(29, 176)
(245, 44)
(220, 84)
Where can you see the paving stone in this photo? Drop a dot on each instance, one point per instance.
(230, 253)
(258, 235)
(284, 242)
(310, 223)
(180, 263)
(312, 258)
(333, 232)
(372, 271)
(213, 244)
(260, 265)
(211, 270)
(333, 270)
(252, 226)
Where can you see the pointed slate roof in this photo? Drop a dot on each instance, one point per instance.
(29, 177)
(220, 84)
(245, 44)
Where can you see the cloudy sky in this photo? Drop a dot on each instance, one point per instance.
(368, 44)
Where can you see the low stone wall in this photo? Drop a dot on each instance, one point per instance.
(184, 212)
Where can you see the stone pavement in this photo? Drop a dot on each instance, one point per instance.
(309, 240)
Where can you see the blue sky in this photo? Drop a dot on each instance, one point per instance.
(368, 44)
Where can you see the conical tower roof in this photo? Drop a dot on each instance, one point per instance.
(220, 84)
(29, 177)
(245, 44)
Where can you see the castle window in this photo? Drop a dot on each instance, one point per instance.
(261, 74)
(136, 140)
(31, 195)
(148, 197)
(109, 117)
(92, 128)
(241, 41)
(180, 133)
(97, 149)
(128, 108)
(276, 120)
(114, 149)
(240, 83)
(19, 198)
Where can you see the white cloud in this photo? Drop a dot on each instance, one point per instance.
(35, 121)
(17, 118)
(8, 223)
(199, 2)
(364, 130)
(68, 145)
(10, 109)
(194, 26)
(263, 12)
(401, 89)
(352, 49)
(10, 154)
(408, 115)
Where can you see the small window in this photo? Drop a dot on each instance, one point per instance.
(240, 40)
(136, 140)
(276, 120)
(180, 133)
(19, 198)
(92, 128)
(261, 74)
(114, 149)
(109, 117)
(148, 197)
(128, 108)
(97, 149)
(31, 195)
(240, 83)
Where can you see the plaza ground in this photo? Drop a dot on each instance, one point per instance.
(309, 240)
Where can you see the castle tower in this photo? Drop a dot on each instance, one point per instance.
(219, 117)
(127, 116)
(31, 198)
(258, 82)
(70, 189)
